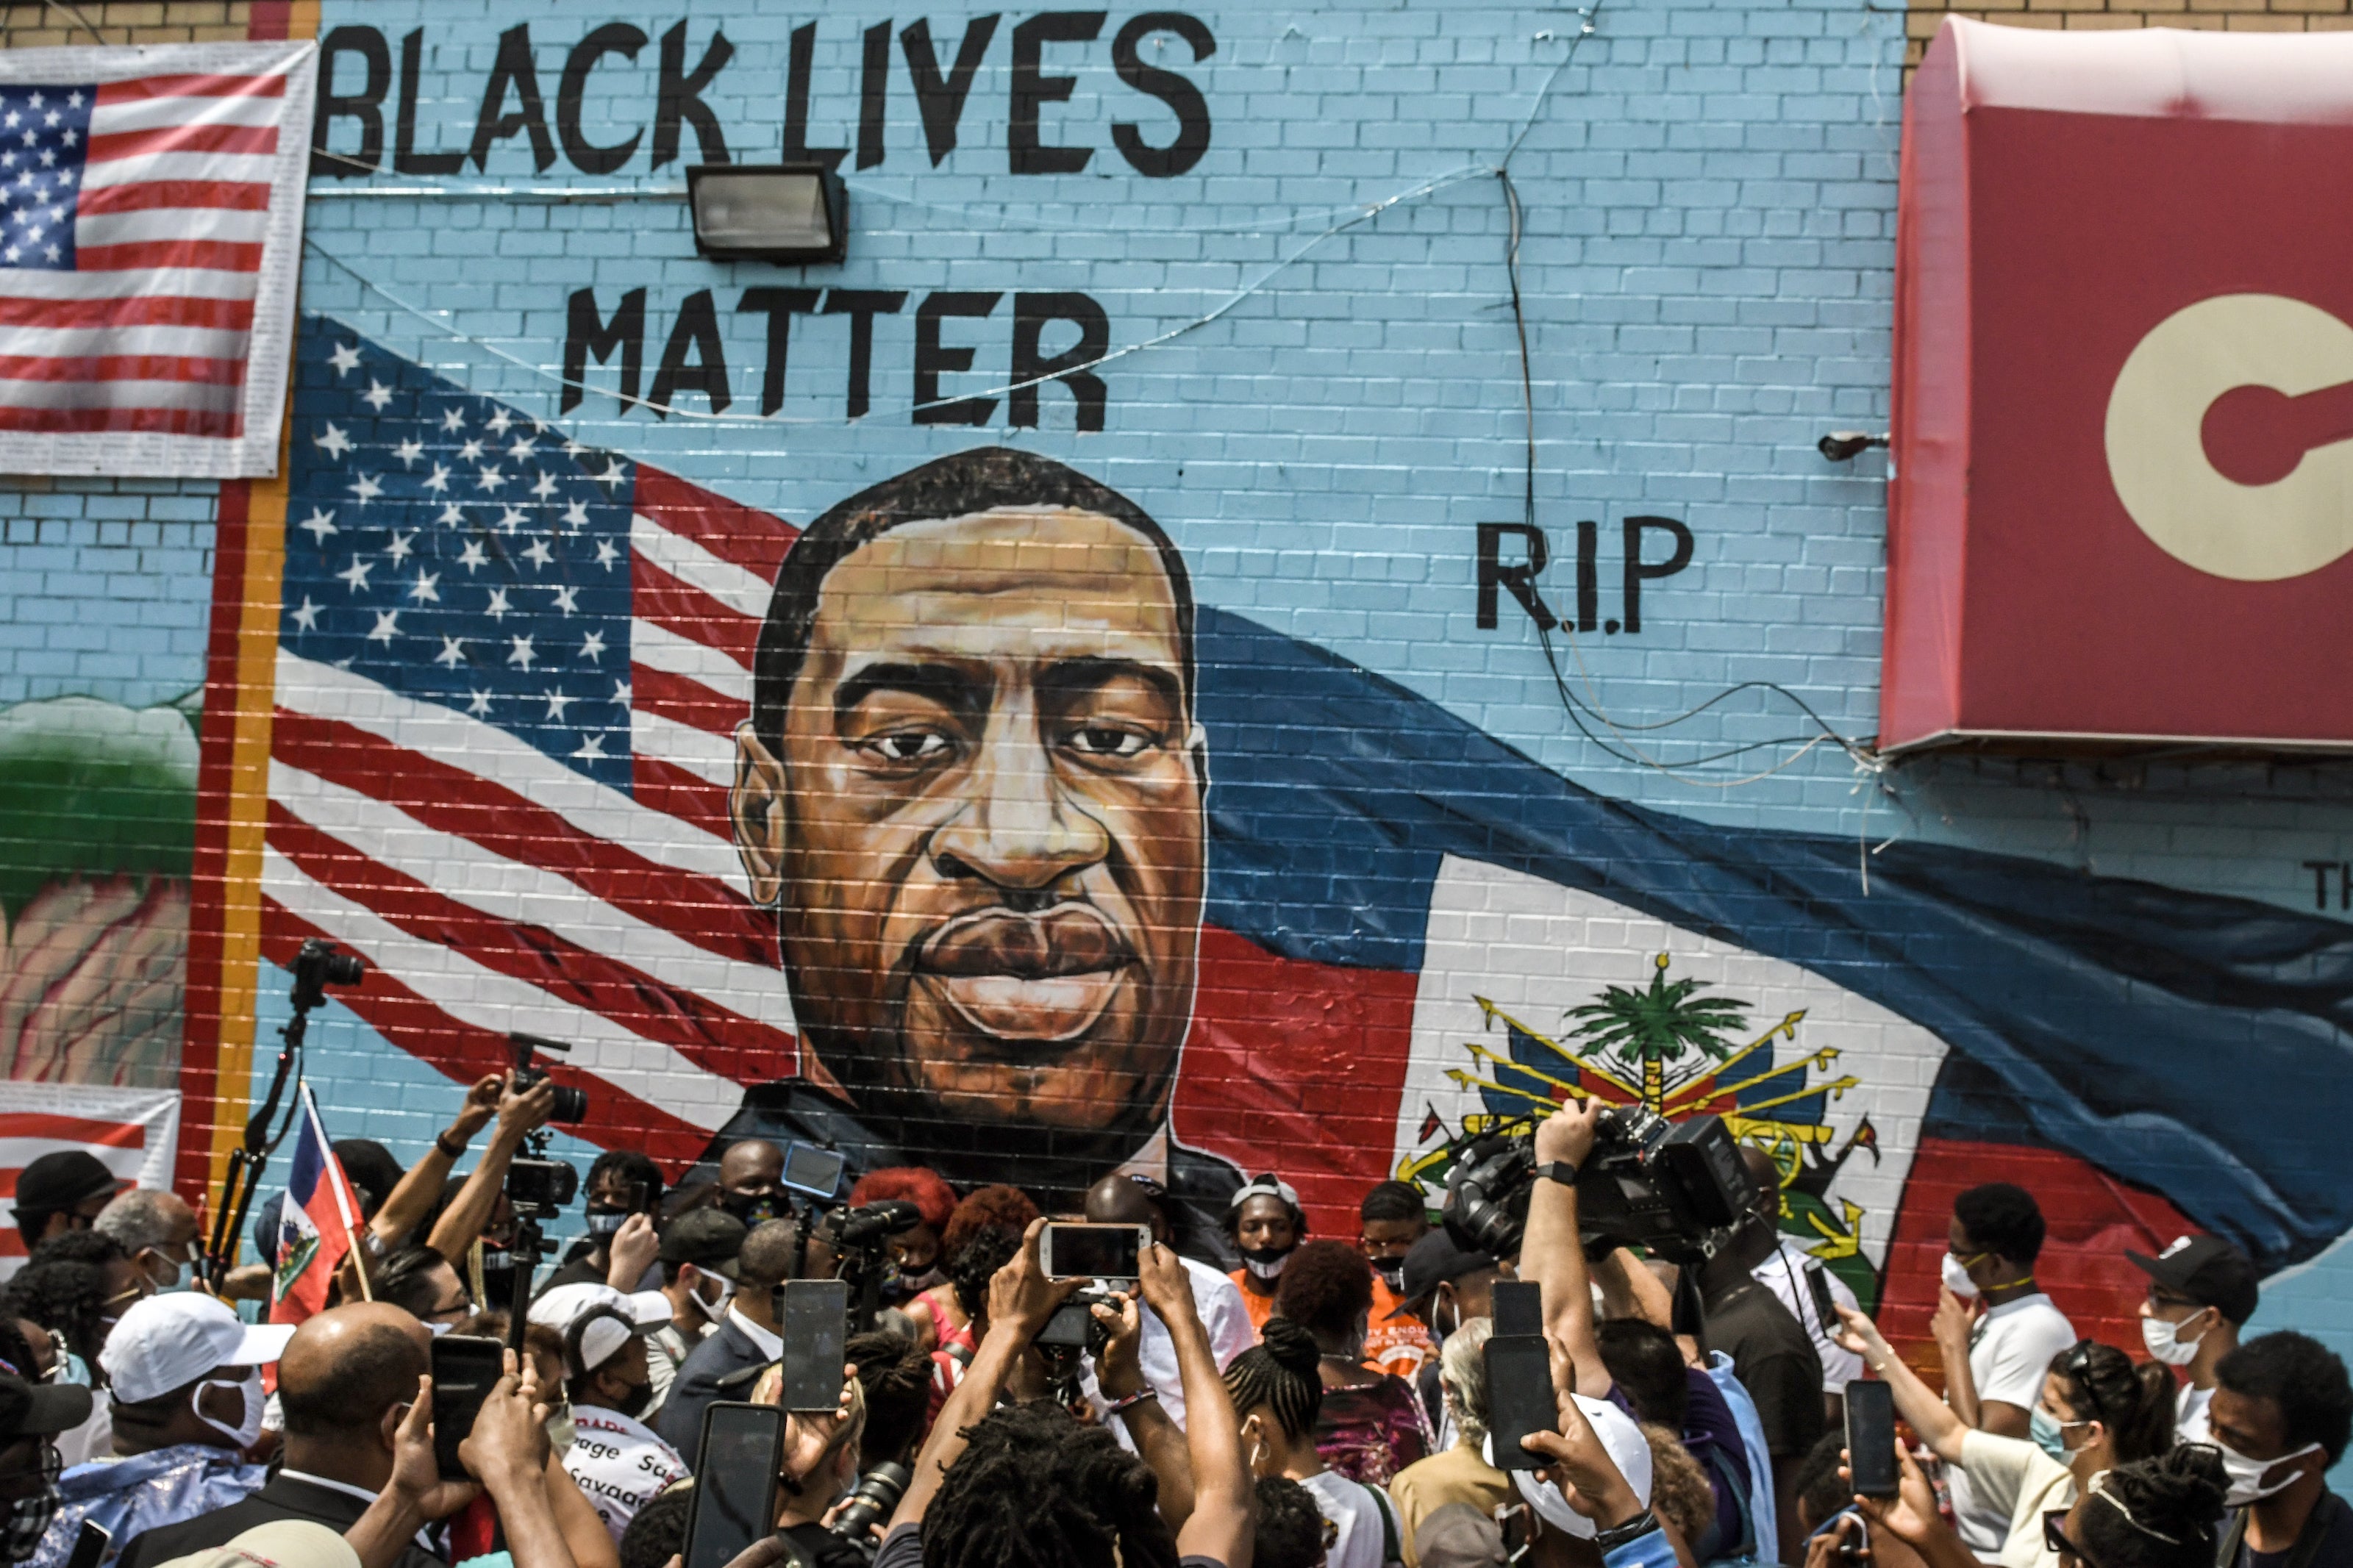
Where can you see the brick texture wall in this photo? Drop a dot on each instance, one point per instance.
(37, 25)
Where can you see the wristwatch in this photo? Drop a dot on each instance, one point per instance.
(1560, 1170)
(1633, 1530)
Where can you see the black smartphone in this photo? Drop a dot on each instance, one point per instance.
(735, 1485)
(1871, 1438)
(814, 1320)
(1519, 1308)
(91, 1545)
(1094, 1251)
(1519, 1396)
(640, 1198)
(1818, 1280)
(464, 1370)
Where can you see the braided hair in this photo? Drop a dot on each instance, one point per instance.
(976, 1263)
(2136, 1403)
(67, 1296)
(1280, 1373)
(1033, 1488)
(2157, 1513)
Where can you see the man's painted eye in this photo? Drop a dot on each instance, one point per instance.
(1111, 740)
(909, 746)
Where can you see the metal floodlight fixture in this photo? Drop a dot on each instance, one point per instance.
(768, 212)
(1840, 445)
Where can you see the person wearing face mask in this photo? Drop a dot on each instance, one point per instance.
(942, 1318)
(2201, 1290)
(345, 1379)
(698, 1275)
(185, 1379)
(157, 1229)
(1446, 1286)
(621, 1182)
(2281, 1414)
(616, 1460)
(752, 1180)
(1265, 1225)
(1393, 1216)
(1996, 1331)
(32, 1414)
(745, 1338)
(2096, 1410)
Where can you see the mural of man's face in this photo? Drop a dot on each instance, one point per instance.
(985, 821)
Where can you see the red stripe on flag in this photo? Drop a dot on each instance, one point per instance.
(698, 910)
(114, 144)
(139, 89)
(755, 540)
(617, 1119)
(655, 595)
(72, 1128)
(131, 311)
(711, 1037)
(165, 421)
(123, 367)
(689, 702)
(207, 255)
(152, 196)
(669, 788)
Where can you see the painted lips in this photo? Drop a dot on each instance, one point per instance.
(1016, 976)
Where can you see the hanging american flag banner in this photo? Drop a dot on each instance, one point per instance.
(151, 215)
(510, 670)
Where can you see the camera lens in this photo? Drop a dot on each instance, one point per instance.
(571, 1104)
(344, 969)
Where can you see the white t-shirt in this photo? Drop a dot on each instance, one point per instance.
(1784, 1274)
(2011, 1349)
(1219, 1302)
(618, 1464)
(2015, 1478)
(2190, 1418)
(1350, 1507)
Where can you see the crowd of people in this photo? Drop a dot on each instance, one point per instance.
(1303, 1400)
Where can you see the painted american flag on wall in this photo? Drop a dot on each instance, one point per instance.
(510, 670)
(151, 213)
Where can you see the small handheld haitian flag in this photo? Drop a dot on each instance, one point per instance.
(315, 1225)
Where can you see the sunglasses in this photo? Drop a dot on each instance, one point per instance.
(2054, 1536)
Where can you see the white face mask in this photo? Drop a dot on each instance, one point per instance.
(1956, 1278)
(247, 1431)
(2247, 1475)
(560, 1432)
(715, 1307)
(2165, 1342)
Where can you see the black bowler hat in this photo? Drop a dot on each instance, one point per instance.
(2205, 1270)
(60, 1179)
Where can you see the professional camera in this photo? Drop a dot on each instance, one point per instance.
(1074, 1327)
(571, 1104)
(871, 1225)
(1675, 1189)
(876, 1499)
(318, 966)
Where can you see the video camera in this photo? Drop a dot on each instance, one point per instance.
(539, 1187)
(318, 966)
(1676, 1189)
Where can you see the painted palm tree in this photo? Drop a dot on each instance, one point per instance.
(1654, 1026)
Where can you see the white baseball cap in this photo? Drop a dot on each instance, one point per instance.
(165, 1343)
(1627, 1447)
(612, 1318)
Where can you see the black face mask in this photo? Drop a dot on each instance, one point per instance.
(1267, 1262)
(750, 1210)
(1392, 1272)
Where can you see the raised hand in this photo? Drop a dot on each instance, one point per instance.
(415, 1473)
(633, 1249)
(1567, 1134)
(1020, 1295)
(1118, 1371)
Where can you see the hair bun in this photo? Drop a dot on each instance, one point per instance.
(1292, 1346)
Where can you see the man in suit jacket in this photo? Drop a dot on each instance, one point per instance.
(727, 1363)
(346, 1378)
